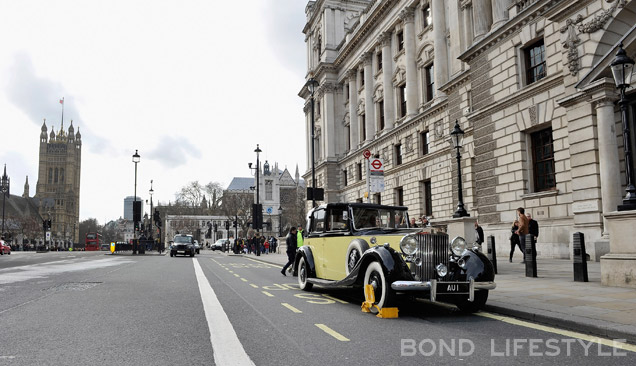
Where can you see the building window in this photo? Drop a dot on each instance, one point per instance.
(50, 175)
(424, 137)
(347, 92)
(344, 177)
(402, 99)
(56, 176)
(363, 129)
(348, 137)
(379, 59)
(359, 169)
(535, 62)
(318, 110)
(399, 196)
(319, 46)
(543, 160)
(400, 40)
(361, 77)
(427, 198)
(268, 189)
(430, 82)
(397, 150)
(381, 115)
(426, 16)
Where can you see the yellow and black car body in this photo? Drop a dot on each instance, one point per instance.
(355, 244)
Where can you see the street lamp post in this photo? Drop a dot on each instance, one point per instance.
(622, 68)
(257, 211)
(135, 159)
(280, 221)
(312, 84)
(150, 192)
(457, 139)
(5, 193)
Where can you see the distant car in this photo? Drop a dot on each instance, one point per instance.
(182, 244)
(219, 244)
(197, 247)
(4, 248)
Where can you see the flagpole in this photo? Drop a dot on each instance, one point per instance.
(62, 111)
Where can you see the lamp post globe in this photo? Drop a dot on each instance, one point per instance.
(622, 69)
(457, 141)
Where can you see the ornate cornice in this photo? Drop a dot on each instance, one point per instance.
(384, 39)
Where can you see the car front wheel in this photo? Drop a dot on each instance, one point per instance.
(303, 274)
(478, 303)
(374, 276)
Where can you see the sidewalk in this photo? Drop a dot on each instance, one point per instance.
(553, 298)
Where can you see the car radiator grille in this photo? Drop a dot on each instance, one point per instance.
(433, 249)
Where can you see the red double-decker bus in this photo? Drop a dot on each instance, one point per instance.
(93, 241)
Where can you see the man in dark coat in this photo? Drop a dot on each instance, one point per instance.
(291, 249)
(533, 227)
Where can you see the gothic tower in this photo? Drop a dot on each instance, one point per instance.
(58, 185)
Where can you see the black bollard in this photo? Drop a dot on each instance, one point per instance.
(491, 251)
(531, 256)
(579, 257)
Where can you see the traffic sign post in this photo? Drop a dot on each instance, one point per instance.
(376, 175)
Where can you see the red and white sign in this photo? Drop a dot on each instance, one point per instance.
(376, 166)
(366, 153)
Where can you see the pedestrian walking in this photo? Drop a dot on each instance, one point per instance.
(479, 233)
(291, 241)
(299, 236)
(514, 239)
(533, 227)
(523, 230)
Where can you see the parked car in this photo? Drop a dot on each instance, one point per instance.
(4, 248)
(354, 244)
(197, 247)
(219, 244)
(182, 244)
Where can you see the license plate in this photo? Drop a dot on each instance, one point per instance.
(453, 288)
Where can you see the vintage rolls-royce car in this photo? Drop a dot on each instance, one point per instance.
(354, 244)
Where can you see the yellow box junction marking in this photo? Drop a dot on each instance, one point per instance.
(253, 285)
(243, 279)
(567, 333)
(268, 294)
(237, 275)
(332, 333)
(291, 308)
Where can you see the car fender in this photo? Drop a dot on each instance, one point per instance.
(478, 266)
(391, 262)
(305, 252)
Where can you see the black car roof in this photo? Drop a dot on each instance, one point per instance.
(361, 205)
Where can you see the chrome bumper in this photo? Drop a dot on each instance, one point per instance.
(432, 287)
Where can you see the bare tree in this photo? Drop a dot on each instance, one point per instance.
(238, 206)
(191, 195)
(215, 193)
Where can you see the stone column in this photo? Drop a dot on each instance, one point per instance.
(387, 80)
(482, 18)
(467, 10)
(329, 136)
(369, 107)
(408, 18)
(499, 12)
(610, 171)
(441, 48)
(353, 109)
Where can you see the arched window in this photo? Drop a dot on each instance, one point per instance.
(56, 174)
(61, 175)
(50, 175)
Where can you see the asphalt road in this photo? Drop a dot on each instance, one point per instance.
(96, 309)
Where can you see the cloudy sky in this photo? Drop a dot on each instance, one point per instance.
(194, 85)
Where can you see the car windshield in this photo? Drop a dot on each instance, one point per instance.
(182, 239)
(383, 218)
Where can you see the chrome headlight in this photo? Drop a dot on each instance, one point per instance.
(408, 245)
(442, 270)
(458, 245)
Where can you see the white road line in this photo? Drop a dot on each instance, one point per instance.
(226, 346)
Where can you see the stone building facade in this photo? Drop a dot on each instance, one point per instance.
(58, 185)
(528, 81)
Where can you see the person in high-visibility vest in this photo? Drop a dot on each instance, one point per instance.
(299, 236)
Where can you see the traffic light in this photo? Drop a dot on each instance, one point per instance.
(227, 225)
(234, 223)
(157, 218)
(48, 224)
(215, 227)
